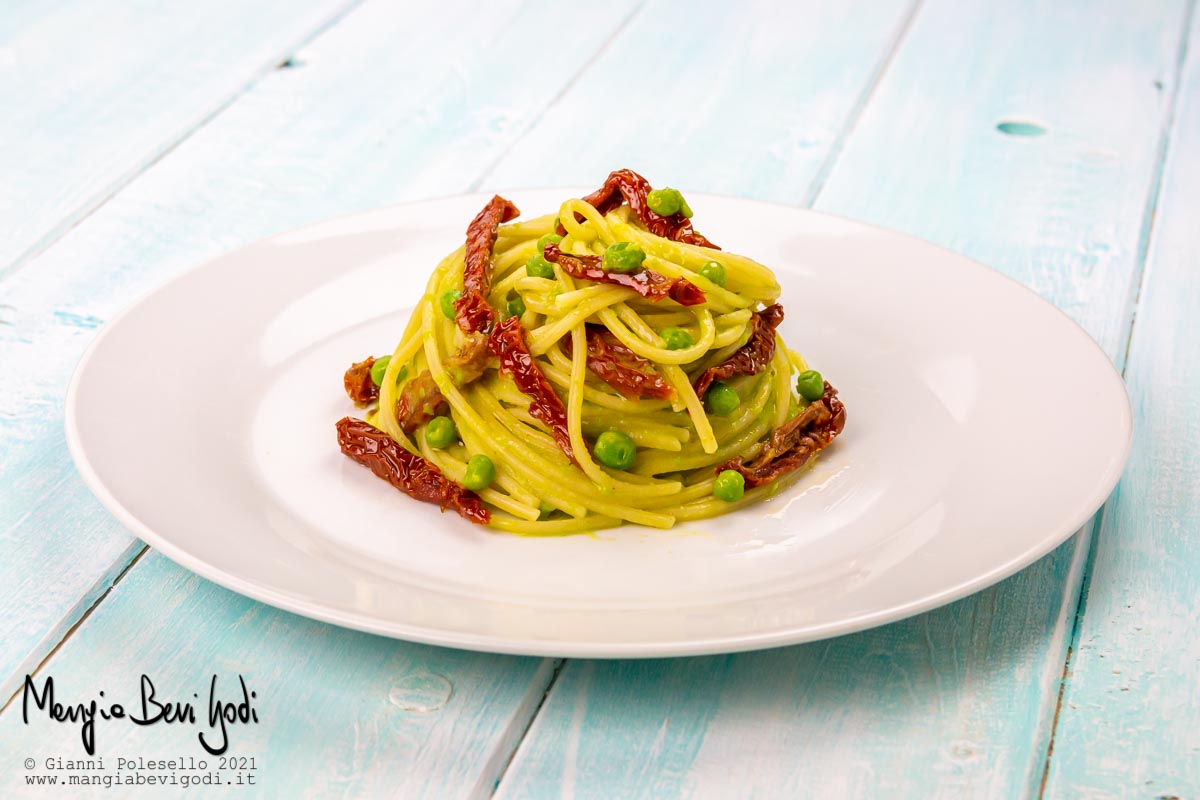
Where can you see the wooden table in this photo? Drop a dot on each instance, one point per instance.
(1057, 142)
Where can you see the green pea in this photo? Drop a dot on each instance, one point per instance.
(515, 306)
(729, 486)
(549, 238)
(715, 272)
(676, 338)
(480, 473)
(441, 432)
(378, 368)
(684, 208)
(722, 399)
(623, 257)
(665, 201)
(615, 450)
(539, 267)
(449, 298)
(810, 385)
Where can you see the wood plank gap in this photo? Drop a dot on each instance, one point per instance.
(1077, 579)
(1149, 216)
(1062, 685)
(587, 65)
(90, 205)
(860, 105)
(75, 626)
(511, 752)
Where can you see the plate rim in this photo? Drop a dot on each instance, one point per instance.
(507, 645)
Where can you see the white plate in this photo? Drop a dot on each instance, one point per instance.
(983, 428)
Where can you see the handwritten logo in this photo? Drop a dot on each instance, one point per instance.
(222, 713)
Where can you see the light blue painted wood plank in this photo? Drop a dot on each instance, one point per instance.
(1062, 212)
(93, 92)
(1128, 722)
(374, 115)
(957, 702)
(341, 714)
(741, 99)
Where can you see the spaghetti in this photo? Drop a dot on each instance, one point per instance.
(579, 370)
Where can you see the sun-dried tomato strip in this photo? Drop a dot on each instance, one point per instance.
(508, 344)
(627, 185)
(407, 471)
(751, 357)
(796, 441)
(472, 311)
(621, 368)
(648, 283)
(358, 383)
